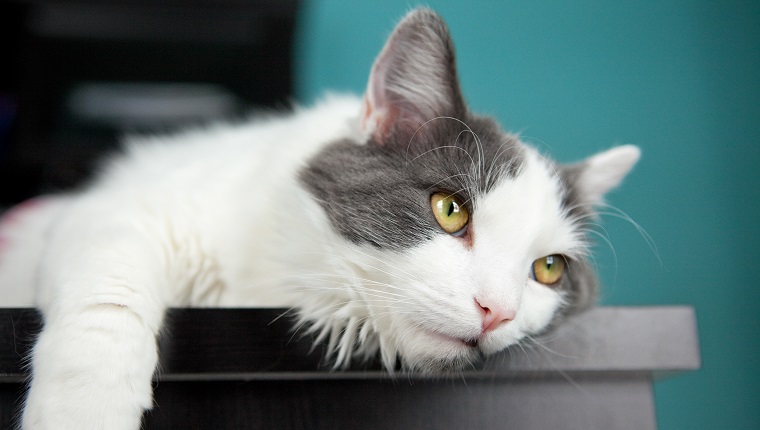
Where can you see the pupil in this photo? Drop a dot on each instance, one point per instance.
(451, 209)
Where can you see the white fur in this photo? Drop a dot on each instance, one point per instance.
(29, 227)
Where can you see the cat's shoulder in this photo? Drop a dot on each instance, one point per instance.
(280, 134)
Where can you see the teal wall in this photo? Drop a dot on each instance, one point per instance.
(678, 78)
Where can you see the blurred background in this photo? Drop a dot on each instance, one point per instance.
(681, 79)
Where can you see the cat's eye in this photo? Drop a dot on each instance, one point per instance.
(548, 270)
(450, 213)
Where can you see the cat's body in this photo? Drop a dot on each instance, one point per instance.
(398, 225)
(159, 181)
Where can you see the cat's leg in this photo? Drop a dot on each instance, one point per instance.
(94, 360)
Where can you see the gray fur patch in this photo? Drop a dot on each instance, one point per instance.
(580, 286)
(380, 194)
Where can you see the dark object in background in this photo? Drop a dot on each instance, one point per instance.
(76, 76)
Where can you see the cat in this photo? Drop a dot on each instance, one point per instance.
(399, 225)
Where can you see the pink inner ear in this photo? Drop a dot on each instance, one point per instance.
(366, 115)
(377, 120)
(371, 120)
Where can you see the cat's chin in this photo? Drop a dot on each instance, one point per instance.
(435, 363)
(435, 353)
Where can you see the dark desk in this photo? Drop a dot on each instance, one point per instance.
(243, 368)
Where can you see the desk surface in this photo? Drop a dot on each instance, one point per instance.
(251, 344)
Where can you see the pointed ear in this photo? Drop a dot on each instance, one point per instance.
(413, 80)
(604, 171)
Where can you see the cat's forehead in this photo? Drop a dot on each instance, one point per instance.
(525, 212)
(467, 157)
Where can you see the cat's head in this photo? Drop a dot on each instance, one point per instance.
(456, 238)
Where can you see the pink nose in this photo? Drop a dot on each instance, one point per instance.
(494, 315)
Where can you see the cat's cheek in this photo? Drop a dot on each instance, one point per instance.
(539, 307)
(500, 340)
(422, 339)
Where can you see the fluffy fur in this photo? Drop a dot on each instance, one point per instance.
(326, 210)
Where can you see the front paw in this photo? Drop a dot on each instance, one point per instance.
(91, 373)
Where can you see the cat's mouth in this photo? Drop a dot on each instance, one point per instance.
(468, 342)
(472, 343)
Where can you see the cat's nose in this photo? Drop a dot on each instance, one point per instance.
(493, 314)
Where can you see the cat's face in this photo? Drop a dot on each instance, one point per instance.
(461, 240)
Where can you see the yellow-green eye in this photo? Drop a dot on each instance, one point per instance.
(548, 270)
(450, 212)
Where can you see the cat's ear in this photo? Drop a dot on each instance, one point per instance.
(413, 80)
(604, 171)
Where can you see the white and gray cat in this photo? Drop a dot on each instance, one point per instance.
(401, 226)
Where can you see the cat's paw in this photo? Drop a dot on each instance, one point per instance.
(91, 372)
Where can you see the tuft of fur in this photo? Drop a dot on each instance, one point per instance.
(325, 210)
